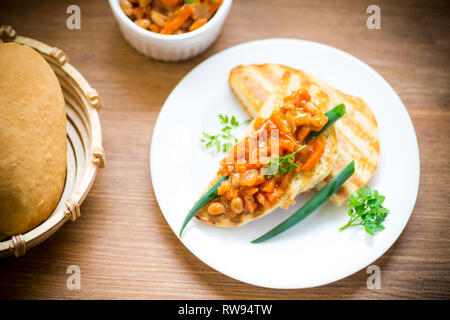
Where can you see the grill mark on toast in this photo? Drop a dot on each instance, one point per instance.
(267, 72)
(257, 91)
(356, 148)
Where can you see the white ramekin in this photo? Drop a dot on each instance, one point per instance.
(170, 47)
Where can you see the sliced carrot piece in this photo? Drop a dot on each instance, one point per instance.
(259, 179)
(303, 133)
(155, 28)
(250, 204)
(280, 121)
(288, 145)
(198, 23)
(213, 6)
(250, 192)
(285, 180)
(170, 2)
(250, 166)
(174, 23)
(319, 149)
(268, 185)
(290, 136)
(262, 199)
(274, 194)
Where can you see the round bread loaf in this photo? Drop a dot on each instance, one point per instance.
(33, 143)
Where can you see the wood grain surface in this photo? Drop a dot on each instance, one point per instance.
(123, 245)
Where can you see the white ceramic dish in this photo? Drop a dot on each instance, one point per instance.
(170, 47)
(314, 252)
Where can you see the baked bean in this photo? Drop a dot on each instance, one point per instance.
(311, 108)
(144, 3)
(143, 23)
(300, 118)
(127, 7)
(236, 180)
(237, 205)
(158, 18)
(249, 178)
(139, 13)
(216, 208)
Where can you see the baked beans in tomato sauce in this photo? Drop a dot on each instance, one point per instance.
(248, 189)
(170, 16)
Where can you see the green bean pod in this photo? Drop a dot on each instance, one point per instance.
(315, 202)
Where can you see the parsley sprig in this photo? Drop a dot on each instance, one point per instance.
(281, 165)
(366, 209)
(224, 140)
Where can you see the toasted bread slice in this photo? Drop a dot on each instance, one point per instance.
(300, 182)
(357, 131)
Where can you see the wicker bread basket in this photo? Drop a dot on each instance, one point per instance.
(84, 149)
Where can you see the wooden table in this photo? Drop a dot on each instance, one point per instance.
(123, 245)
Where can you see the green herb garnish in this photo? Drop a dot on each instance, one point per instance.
(281, 165)
(366, 209)
(224, 140)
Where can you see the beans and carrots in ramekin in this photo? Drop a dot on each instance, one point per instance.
(170, 16)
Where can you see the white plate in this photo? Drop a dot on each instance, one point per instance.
(314, 252)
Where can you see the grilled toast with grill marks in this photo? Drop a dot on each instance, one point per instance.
(357, 131)
(300, 182)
